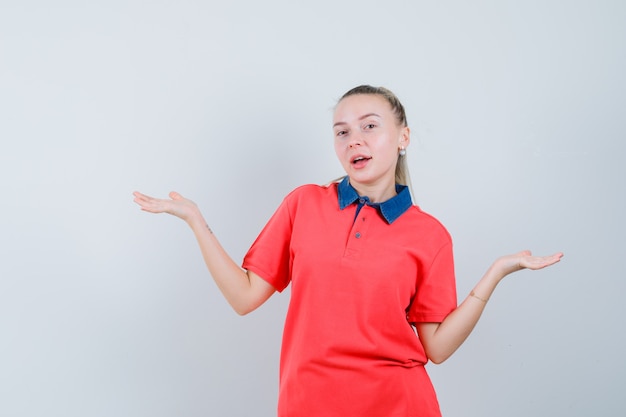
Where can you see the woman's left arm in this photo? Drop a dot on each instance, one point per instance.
(441, 340)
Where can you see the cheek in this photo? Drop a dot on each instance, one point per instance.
(339, 150)
(340, 153)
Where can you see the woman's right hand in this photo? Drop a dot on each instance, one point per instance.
(176, 205)
(244, 290)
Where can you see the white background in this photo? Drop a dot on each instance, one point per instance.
(518, 117)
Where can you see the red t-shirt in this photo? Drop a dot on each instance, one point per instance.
(356, 285)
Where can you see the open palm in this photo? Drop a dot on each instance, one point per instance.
(176, 205)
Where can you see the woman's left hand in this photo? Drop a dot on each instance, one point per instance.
(525, 260)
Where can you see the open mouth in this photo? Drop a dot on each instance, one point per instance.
(360, 160)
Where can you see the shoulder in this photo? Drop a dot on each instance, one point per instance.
(426, 223)
(312, 191)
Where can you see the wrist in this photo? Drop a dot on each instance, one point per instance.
(506, 265)
(496, 272)
(195, 219)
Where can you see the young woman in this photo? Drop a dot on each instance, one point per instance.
(367, 268)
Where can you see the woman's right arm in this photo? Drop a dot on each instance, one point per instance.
(244, 290)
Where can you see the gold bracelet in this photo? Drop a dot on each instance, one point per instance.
(477, 297)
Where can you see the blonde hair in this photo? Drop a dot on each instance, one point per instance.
(402, 168)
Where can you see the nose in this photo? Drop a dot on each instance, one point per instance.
(355, 141)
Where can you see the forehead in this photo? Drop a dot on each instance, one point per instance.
(358, 105)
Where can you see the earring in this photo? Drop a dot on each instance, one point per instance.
(402, 151)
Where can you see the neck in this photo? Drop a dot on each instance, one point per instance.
(377, 193)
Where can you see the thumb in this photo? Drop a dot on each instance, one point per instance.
(175, 196)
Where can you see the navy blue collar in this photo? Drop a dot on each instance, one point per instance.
(390, 209)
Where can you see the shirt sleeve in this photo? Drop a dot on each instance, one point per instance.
(435, 297)
(270, 254)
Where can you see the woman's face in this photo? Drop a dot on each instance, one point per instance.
(367, 140)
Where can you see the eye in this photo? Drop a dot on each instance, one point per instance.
(341, 133)
(370, 126)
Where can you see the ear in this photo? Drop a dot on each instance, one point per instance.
(405, 138)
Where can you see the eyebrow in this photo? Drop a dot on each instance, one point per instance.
(365, 116)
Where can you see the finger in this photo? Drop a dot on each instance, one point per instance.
(552, 258)
(141, 197)
(147, 203)
(539, 262)
(144, 201)
(555, 258)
